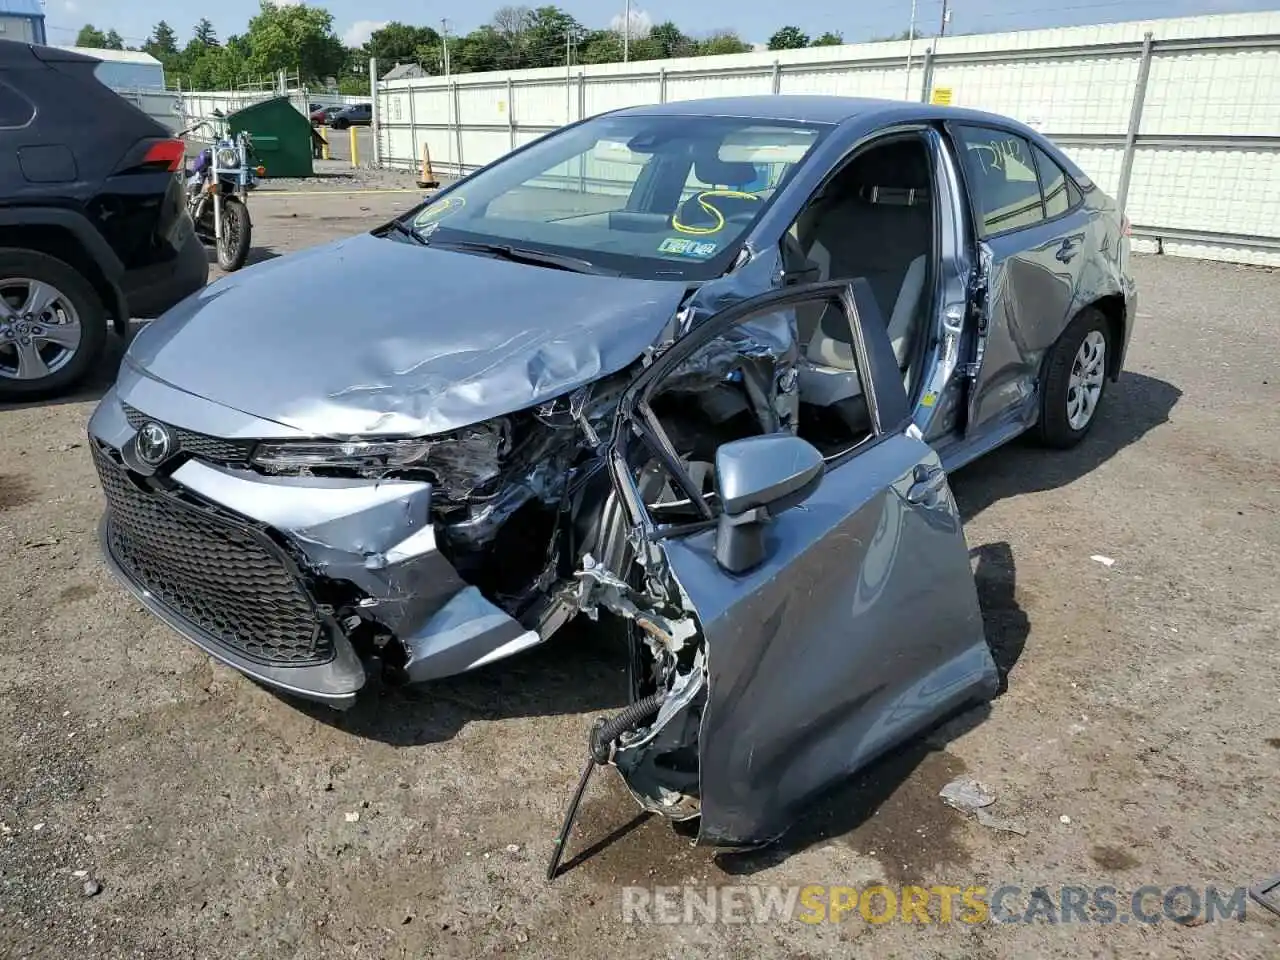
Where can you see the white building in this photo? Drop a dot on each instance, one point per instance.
(125, 69)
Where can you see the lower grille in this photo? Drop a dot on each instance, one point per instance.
(230, 582)
(218, 449)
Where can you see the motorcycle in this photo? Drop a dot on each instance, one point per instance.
(218, 191)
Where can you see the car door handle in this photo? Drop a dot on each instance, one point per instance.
(1066, 253)
(927, 483)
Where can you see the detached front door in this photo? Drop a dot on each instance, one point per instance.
(860, 624)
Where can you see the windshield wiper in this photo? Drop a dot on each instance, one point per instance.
(402, 228)
(538, 258)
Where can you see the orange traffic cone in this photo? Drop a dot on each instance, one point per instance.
(428, 179)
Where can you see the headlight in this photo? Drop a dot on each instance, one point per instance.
(457, 463)
(228, 159)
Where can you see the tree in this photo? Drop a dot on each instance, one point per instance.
(904, 35)
(398, 42)
(294, 37)
(789, 38)
(212, 67)
(480, 50)
(667, 40)
(163, 43)
(549, 27)
(829, 39)
(513, 23)
(205, 35)
(603, 46)
(721, 42)
(91, 36)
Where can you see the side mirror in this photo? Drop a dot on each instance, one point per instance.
(758, 478)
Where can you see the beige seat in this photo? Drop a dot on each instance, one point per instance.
(879, 228)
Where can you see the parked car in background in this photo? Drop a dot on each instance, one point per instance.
(93, 225)
(357, 115)
(651, 336)
(321, 115)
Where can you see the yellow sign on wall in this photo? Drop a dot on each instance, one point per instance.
(942, 96)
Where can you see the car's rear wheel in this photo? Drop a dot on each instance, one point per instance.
(52, 325)
(1075, 380)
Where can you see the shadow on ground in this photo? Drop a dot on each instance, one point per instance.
(891, 810)
(1132, 408)
(256, 255)
(577, 672)
(99, 379)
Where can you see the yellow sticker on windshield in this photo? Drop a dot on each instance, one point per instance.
(717, 218)
(439, 210)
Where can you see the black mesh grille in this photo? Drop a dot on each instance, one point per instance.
(230, 582)
(197, 444)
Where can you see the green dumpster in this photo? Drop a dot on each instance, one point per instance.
(281, 136)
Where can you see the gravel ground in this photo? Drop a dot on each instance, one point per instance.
(153, 804)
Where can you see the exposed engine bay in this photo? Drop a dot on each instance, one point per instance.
(525, 510)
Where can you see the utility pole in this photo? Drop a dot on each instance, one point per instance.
(568, 77)
(444, 43)
(911, 46)
(626, 32)
(946, 17)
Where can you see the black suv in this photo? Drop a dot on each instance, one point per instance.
(93, 224)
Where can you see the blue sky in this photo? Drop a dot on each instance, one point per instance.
(754, 20)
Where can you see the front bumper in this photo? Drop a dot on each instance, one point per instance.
(271, 575)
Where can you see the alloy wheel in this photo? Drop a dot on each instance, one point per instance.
(39, 329)
(1085, 386)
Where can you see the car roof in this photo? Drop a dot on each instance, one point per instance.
(813, 108)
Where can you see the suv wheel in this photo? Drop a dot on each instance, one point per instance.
(52, 325)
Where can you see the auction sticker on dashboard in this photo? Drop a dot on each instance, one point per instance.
(683, 247)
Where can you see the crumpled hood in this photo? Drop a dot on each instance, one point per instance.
(369, 336)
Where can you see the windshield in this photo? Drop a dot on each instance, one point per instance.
(664, 197)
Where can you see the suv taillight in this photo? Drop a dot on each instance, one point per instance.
(1126, 228)
(168, 154)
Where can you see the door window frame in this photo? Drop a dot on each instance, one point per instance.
(976, 214)
(636, 423)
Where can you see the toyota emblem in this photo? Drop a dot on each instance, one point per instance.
(153, 443)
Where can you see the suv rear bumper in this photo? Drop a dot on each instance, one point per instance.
(152, 290)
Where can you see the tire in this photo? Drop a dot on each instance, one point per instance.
(237, 233)
(66, 298)
(1075, 380)
(340, 124)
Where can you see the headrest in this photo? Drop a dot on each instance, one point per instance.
(894, 196)
(902, 165)
(730, 173)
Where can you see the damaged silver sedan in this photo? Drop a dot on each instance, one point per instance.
(698, 369)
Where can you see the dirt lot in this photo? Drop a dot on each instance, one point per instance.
(1138, 741)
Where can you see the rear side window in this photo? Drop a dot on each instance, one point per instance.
(1060, 192)
(15, 109)
(1001, 174)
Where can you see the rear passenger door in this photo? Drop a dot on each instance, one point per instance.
(1031, 228)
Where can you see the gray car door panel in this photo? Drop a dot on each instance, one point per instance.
(861, 627)
(1033, 280)
(1033, 296)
